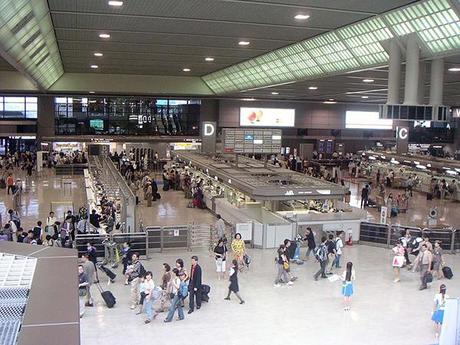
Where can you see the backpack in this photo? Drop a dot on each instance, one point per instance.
(142, 271)
(320, 254)
(183, 289)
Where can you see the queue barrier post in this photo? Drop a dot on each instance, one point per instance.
(452, 243)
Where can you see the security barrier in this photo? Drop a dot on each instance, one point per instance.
(384, 235)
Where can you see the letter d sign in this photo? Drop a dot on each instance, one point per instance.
(209, 129)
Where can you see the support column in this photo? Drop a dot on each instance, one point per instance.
(421, 82)
(394, 73)
(45, 118)
(437, 81)
(412, 71)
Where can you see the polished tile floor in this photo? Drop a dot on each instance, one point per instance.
(310, 312)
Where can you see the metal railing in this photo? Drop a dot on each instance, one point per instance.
(384, 235)
(152, 239)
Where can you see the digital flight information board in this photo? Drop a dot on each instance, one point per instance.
(241, 140)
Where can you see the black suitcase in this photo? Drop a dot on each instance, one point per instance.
(205, 290)
(158, 196)
(107, 296)
(447, 271)
(108, 272)
(429, 196)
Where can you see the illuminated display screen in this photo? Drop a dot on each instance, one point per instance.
(366, 120)
(97, 125)
(267, 117)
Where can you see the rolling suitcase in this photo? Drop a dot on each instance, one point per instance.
(429, 196)
(108, 272)
(107, 296)
(205, 290)
(447, 271)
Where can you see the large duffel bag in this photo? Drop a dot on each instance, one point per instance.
(447, 272)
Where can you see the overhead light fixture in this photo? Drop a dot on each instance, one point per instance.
(275, 93)
(454, 69)
(244, 43)
(103, 35)
(302, 16)
(368, 80)
(98, 54)
(209, 59)
(364, 96)
(91, 92)
(94, 66)
(313, 88)
(115, 3)
(248, 99)
(330, 101)
(186, 69)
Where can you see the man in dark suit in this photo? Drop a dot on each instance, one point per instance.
(195, 285)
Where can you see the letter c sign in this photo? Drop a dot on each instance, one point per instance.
(403, 133)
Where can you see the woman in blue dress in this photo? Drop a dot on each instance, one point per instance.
(348, 277)
(438, 310)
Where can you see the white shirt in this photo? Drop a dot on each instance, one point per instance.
(50, 221)
(148, 286)
(440, 302)
(339, 246)
(176, 282)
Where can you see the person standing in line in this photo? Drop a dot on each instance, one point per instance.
(220, 227)
(438, 309)
(37, 230)
(282, 263)
(82, 289)
(233, 277)
(51, 228)
(338, 249)
(437, 260)
(195, 285)
(321, 256)
(331, 253)
(166, 278)
(220, 253)
(126, 255)
(149, 285)
(179, 293)
(348, 276)
(310, 238)
(92, 253)
(90, 272)
(180, 267)
(398, 261)
(425, 265)
(134, 274)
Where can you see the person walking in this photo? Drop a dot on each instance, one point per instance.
(321, 257)
(220, 253)
(90, 272)
(365, 196)
(338, 249)
(133, 274)
(238, 248)
(179, 293)
(82, 289)
(310, 238)
(331, 253)
(126, 255)
(438, 260)
(282, 264)
(348, 276)
(438, 309)
(398, 261)
(195, 285)
(425, 266)
(148, 287)
(9, 184)
(233, 277)
(220, 227)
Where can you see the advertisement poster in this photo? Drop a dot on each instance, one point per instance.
(267, 117)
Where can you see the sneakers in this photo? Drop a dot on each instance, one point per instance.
(396, 281)
(242, 302)
(276, 285)
(132, 307)
(147, 321)
(227, 298)
(290, 283)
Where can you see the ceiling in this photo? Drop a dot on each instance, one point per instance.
(163, 37)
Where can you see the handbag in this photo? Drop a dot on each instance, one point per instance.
(286, 265)
(428, 277)
(82, 291)
(398, 261)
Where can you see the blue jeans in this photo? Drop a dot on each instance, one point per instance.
(148, 308)
(175, 304)
(336, 260)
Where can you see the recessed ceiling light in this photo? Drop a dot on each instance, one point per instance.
(330, 101)
(454, 69)
(104, 35)
(91, 92)
(186, 69)
(209, 59)
(302, 16)
(244, 43)
(275, 93)
(115, 3)
(313, 88)
(368, 80)
(98, 54)
(248, 99)
(364, 96)
(94, 66)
